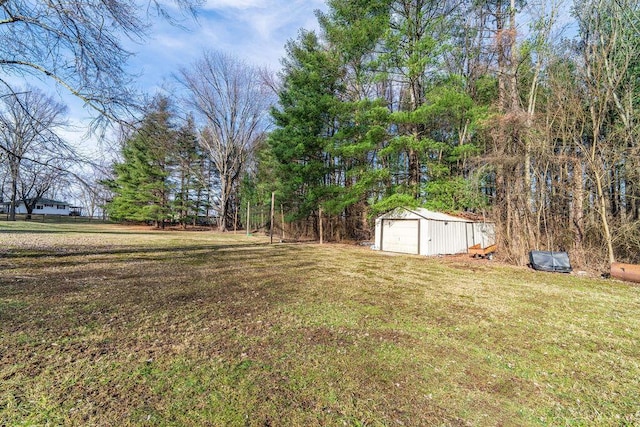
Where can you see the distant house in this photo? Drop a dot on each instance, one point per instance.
(42, 206)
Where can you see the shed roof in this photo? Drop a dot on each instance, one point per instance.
(424, 213)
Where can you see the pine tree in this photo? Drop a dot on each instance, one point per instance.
(306, 121)
(353, 30)
(141, 184)
(188, 163)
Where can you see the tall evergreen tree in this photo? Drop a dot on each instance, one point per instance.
(186, 177)
(306, 121)
(141, 185)
(414, 46)
(354, 30)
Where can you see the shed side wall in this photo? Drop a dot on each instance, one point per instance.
(480, 233)
(447, 237)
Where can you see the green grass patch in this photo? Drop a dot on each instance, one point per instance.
(102, 324)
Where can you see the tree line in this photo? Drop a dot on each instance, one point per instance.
(465, 106)
(526, 114)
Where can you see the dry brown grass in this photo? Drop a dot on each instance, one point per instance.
(107, 325)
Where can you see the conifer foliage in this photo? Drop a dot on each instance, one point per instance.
(158, 179)
(486, 107)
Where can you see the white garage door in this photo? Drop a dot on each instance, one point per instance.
(400, 235)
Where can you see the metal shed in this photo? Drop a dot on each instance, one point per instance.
(424, 232)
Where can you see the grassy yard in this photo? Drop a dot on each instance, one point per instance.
(108, 325)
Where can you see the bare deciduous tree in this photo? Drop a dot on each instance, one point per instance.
(90, 193)
(232, 98)
(77, 44)
(610, 55)
(39, 178)
(29, 122)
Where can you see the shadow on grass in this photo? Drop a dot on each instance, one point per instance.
(145, 270)
(213, 284)
(89, 231)
(48, 253)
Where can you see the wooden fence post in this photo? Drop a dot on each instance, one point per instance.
(248, 222)
(235, 220)
(320, 223)
(273, 202)
(282, 217)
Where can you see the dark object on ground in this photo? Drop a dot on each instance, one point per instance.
(628, 272)
(550, 261)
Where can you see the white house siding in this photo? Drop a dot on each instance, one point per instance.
(55, 209)
(52, 210)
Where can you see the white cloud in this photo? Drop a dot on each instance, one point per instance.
(253, 30)
(235, 4)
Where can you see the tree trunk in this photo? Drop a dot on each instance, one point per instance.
(577, 208)
(602, 210)
(29, 208)
(14, 192)
(225, 195)
(414, 172)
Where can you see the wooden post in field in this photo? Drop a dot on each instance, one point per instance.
(273, 202)
(282, 217)
(248, 222)
(235, 220)
(320, 223)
